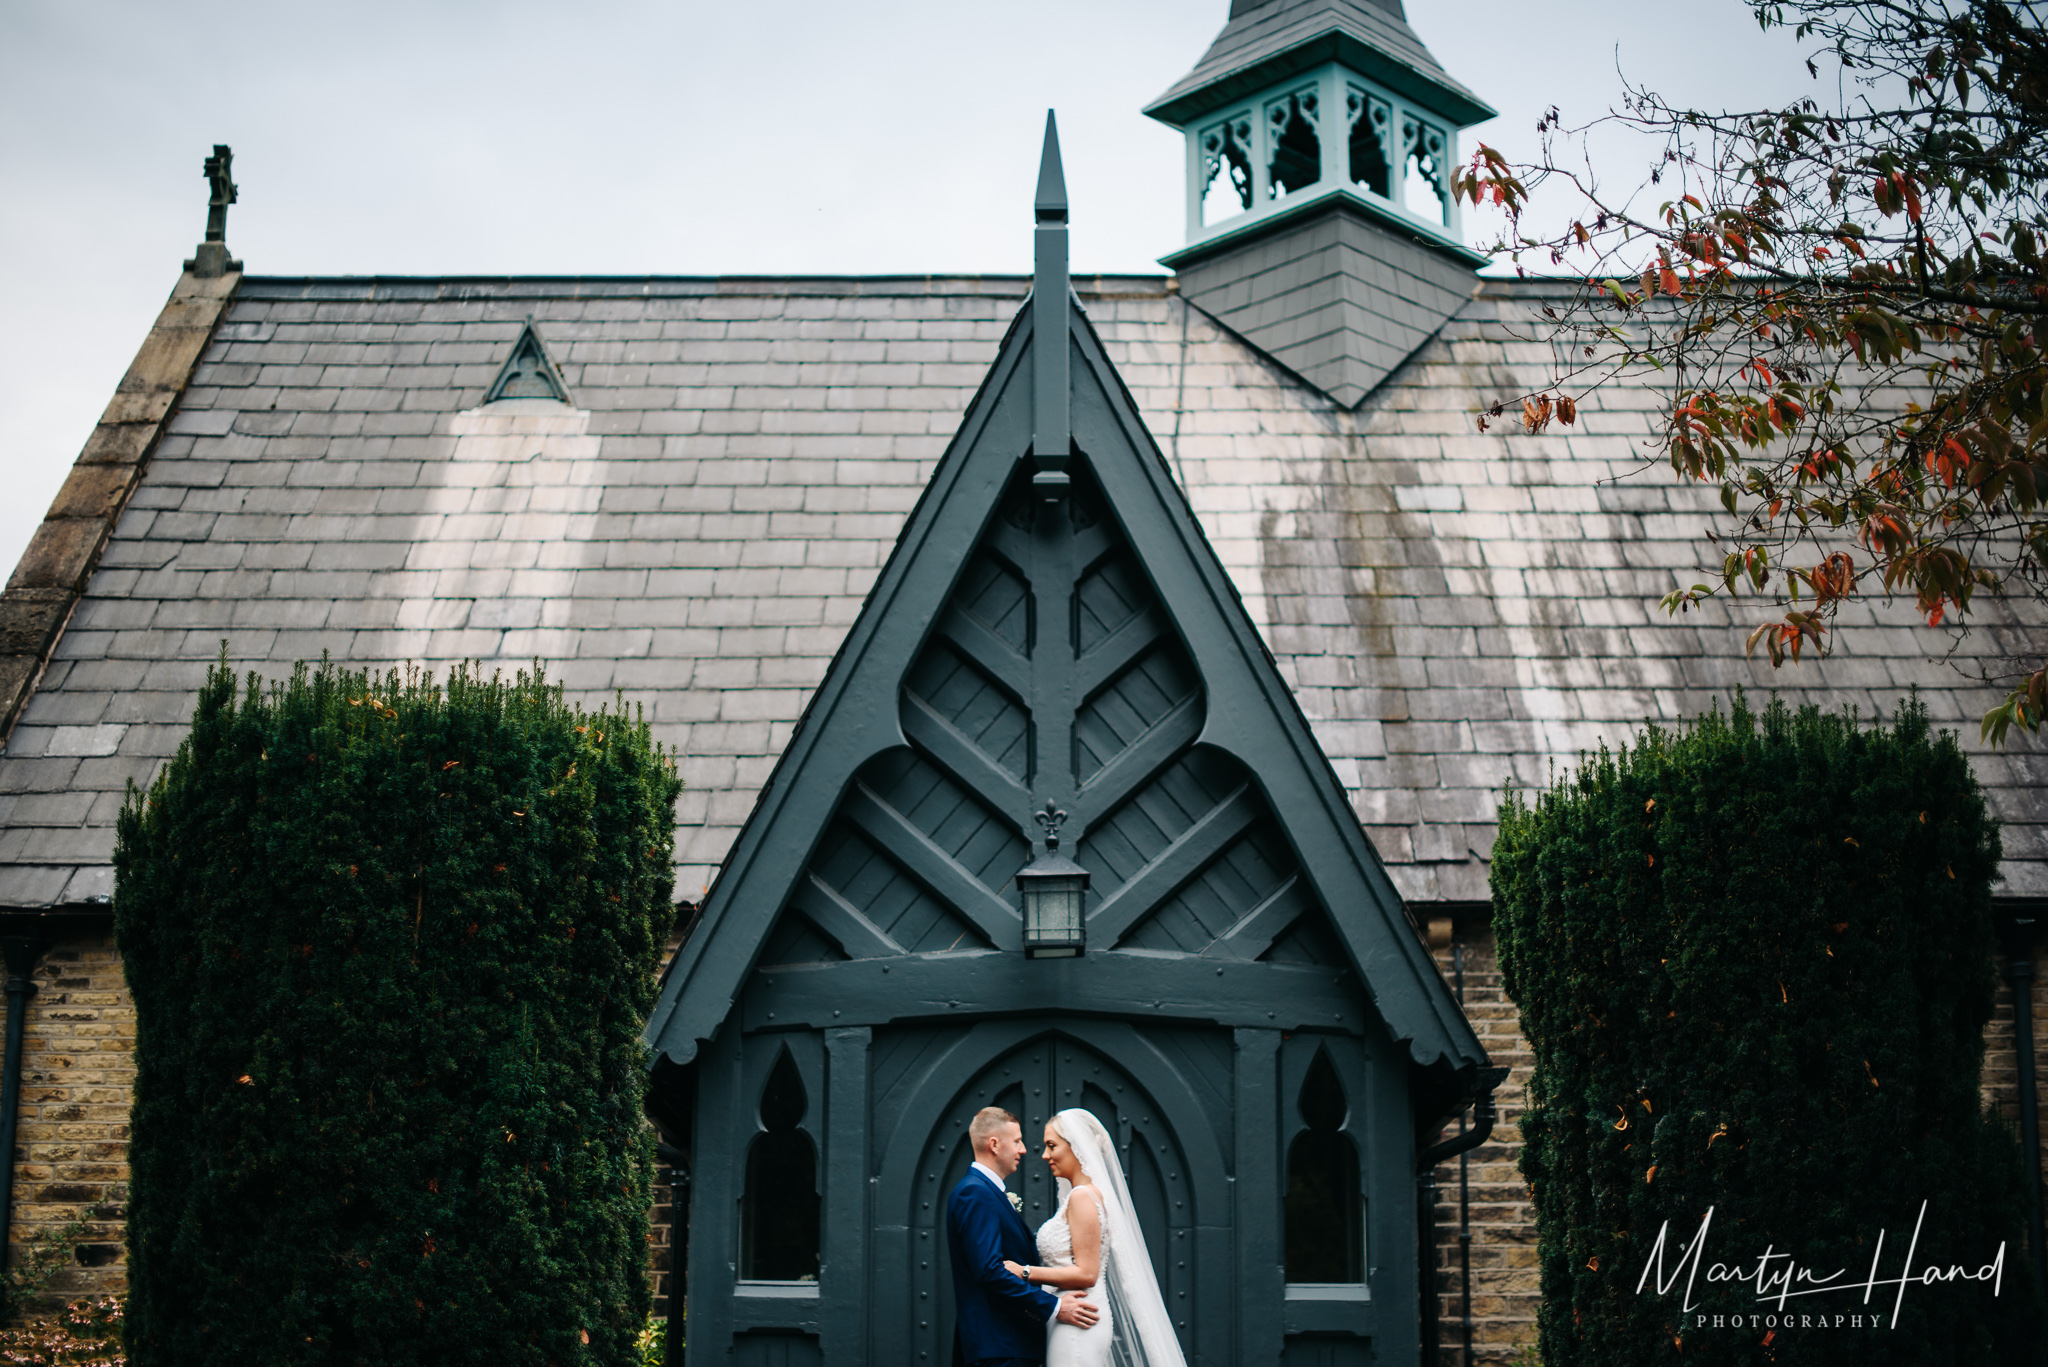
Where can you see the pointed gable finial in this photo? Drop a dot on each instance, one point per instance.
(1052, 177)
(1051, 434)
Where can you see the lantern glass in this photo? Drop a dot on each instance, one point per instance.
(1054, 893)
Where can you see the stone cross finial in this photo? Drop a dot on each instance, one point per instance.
(219, 174)
(212, 258)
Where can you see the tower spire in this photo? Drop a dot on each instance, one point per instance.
(1051, 434)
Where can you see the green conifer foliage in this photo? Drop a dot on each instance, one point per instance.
(392, 945)
(1754, 959)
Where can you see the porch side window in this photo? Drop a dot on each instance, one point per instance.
(1371, 124)
(779, 1207)
(1426, 179)
(1325, 1208)
(1227, 168)
(1296, 160)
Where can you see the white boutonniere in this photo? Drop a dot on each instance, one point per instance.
(1016, 1201)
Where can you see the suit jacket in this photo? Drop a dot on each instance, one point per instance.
(996, 1314)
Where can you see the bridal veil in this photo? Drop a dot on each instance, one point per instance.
(1144, 1332)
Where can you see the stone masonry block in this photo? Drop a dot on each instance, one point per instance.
(93, 491)
(60, 554)
(123, 443)
(30, 617)
(165, 360)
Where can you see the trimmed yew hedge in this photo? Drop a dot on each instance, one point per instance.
(392, 946)
(1754, 960)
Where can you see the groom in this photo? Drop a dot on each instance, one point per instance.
(1000, 1321)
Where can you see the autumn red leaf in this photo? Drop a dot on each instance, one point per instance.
(1946, 491)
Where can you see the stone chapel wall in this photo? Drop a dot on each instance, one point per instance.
(78, 1072)
(71, 1144)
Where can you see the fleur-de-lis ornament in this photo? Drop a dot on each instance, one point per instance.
(1049, 820)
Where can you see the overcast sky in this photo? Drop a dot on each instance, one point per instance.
(616, 137)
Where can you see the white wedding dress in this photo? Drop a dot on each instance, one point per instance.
(1134, 1330)
(1067, 1345)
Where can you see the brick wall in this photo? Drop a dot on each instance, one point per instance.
(71, 1147)
(2001, 1061)
(1503, 1223)
(661, 1242)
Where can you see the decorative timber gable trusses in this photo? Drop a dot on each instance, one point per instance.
(1055, 629)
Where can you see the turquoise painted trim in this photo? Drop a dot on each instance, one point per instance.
(1450, 101)
(1254, 224)
(1333, 83)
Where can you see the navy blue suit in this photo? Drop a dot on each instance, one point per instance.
(997, 1316)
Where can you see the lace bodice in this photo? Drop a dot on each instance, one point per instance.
(1056, 1238)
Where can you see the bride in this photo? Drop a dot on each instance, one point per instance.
(1093, 1239)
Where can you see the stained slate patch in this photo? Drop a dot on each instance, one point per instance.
(1455, 610)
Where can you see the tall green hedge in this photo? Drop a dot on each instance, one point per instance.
(392, 945)
(1754, 959)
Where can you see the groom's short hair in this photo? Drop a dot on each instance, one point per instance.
(987, 1121)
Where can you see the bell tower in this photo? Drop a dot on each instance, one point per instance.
(1321, 136)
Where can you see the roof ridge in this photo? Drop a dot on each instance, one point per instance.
(471, 286)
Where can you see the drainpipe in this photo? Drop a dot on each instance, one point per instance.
(1483, 1114)
(22, 951)
(678, 1250)
(2018, 934)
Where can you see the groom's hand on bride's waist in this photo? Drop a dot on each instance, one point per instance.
(1075, 1310)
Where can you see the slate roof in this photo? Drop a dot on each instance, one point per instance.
(1266, 39)
(1456, 611)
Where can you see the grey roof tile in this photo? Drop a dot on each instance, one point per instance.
(32, 885)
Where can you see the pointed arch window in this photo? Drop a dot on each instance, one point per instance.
(1227, 168)
(1426, 173)
(1325, 1215)
(779, 1207)
(1371, 120)
(1296, 160)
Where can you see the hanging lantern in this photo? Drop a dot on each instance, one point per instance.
(1054, 889)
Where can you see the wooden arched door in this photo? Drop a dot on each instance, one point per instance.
(1166, 1137)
